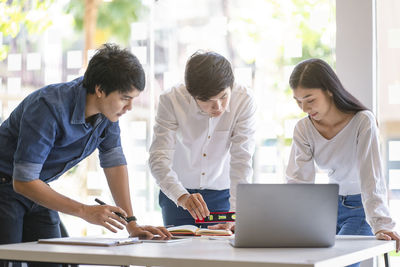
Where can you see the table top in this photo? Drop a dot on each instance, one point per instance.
(201, 252)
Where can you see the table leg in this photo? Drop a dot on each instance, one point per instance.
(386, 257)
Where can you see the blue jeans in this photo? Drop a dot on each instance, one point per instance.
(22, 220)
(216, 200)
(351, 218)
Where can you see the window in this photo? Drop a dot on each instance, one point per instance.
(388, 68)
(263, 41)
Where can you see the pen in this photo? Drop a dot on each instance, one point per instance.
(116, 213)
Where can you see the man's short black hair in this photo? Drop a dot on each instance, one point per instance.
(114, 69)
(207, 74)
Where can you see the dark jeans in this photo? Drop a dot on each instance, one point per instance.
(22, 220)
(216, 200)
(351, 218)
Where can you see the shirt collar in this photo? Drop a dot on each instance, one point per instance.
(78, 115)
(194, 107)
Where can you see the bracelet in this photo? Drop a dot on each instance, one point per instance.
(131, 219)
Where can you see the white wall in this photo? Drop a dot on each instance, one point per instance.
(355, 48)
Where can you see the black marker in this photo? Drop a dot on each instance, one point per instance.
(116, 213)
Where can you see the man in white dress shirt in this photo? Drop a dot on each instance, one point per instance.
(203, 141)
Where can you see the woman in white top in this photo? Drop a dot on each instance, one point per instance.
(340, 135)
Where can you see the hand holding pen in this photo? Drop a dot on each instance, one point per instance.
(145, 232)
(115, 212)
(105, 215)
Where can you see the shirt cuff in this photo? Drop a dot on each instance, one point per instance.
(111, 158)
(175, 193)
(26, 171)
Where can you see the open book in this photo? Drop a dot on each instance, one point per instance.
(196, 231)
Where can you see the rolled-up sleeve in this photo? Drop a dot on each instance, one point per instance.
(26, 171)
(111, 158)
(110, 149)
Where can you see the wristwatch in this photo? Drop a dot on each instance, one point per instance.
(131, 219)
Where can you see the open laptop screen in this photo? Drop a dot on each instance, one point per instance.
(286, 215)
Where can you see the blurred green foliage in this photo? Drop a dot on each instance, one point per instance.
(17, 15)
(114, 17)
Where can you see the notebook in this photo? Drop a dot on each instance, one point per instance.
(286, 215)
(91, 241)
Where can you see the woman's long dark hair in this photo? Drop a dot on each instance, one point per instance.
(316, 73)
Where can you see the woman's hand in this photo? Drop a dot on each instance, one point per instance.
(389, 235)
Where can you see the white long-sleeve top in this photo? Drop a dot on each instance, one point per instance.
(352, 159)
(193, 150)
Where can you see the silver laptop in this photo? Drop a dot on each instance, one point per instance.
(286, 215)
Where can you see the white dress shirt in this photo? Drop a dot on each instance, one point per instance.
(352, 160)
(192, 150)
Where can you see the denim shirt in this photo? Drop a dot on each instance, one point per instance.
(46, 135)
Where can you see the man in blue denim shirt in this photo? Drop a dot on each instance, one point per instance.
(52, 130)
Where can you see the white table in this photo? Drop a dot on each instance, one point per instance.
(202, 252)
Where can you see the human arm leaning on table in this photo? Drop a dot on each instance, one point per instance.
(161, 157)
(242, 148)
(113, 162)
(118, 182)
(372, 181)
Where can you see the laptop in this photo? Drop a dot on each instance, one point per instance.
(286, 215)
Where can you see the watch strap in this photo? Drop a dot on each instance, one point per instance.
(131, 219)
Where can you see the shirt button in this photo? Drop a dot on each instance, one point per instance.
(203, 173)
(204, 155)
(209, 137)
